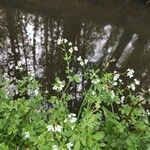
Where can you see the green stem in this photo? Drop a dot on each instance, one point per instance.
(83, 102)
(65, 89)
(129, 115)
(67, 68)
(112, 108)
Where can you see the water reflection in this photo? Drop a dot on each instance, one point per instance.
(127, 51)
(29, 40)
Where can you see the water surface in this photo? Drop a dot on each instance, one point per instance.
(102, 30)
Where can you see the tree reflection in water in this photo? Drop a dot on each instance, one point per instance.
(30, 39)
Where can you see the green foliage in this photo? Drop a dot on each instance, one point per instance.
(109, 118)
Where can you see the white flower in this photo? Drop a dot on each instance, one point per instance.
(16, 50)
(59, 42)
(112, 94)
(70, 50)
(120, 80)
(69, 145)
(79, 87)
(132, 86)
(95, 81)
(137, 82)
(115, 72)
(82, 63)
(59, 85)
(27, 135)
(122, 99)
(65, 40)
(46, 91)
(85, 61)
(70, 43)
(115, 84)
(73, 119)
(50, 128)
(65, 120)
(79, 58)
(71, 115)
(55, 87)
(93, 93)
(58, 128)
(36, 92)
(109, 50)
(130, 73)
(75, 48)
(148, 112)
(17, 68)
(116, 77)
(54, 147)
(97, 105)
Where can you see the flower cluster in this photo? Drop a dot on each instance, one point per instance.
(62, 41)
(103, 108)
(59, 85)
(130, 73)
(56, 128)
(72, 118)
(32, 92)
(132, 86)
(81, 61)
(95, 81)
(71, 49)
(116, 78)
(68, 145)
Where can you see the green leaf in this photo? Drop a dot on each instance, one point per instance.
(77, 145)
(98, 136)
(77, 78)
(3, 146)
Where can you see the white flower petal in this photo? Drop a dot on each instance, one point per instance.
(54, 147)
(79, 58)
(58, 128)
(69, 145)
(50, 128)
(70, 43)
(137, 82)
(27, 135)
(75, 48)
(73, 119)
